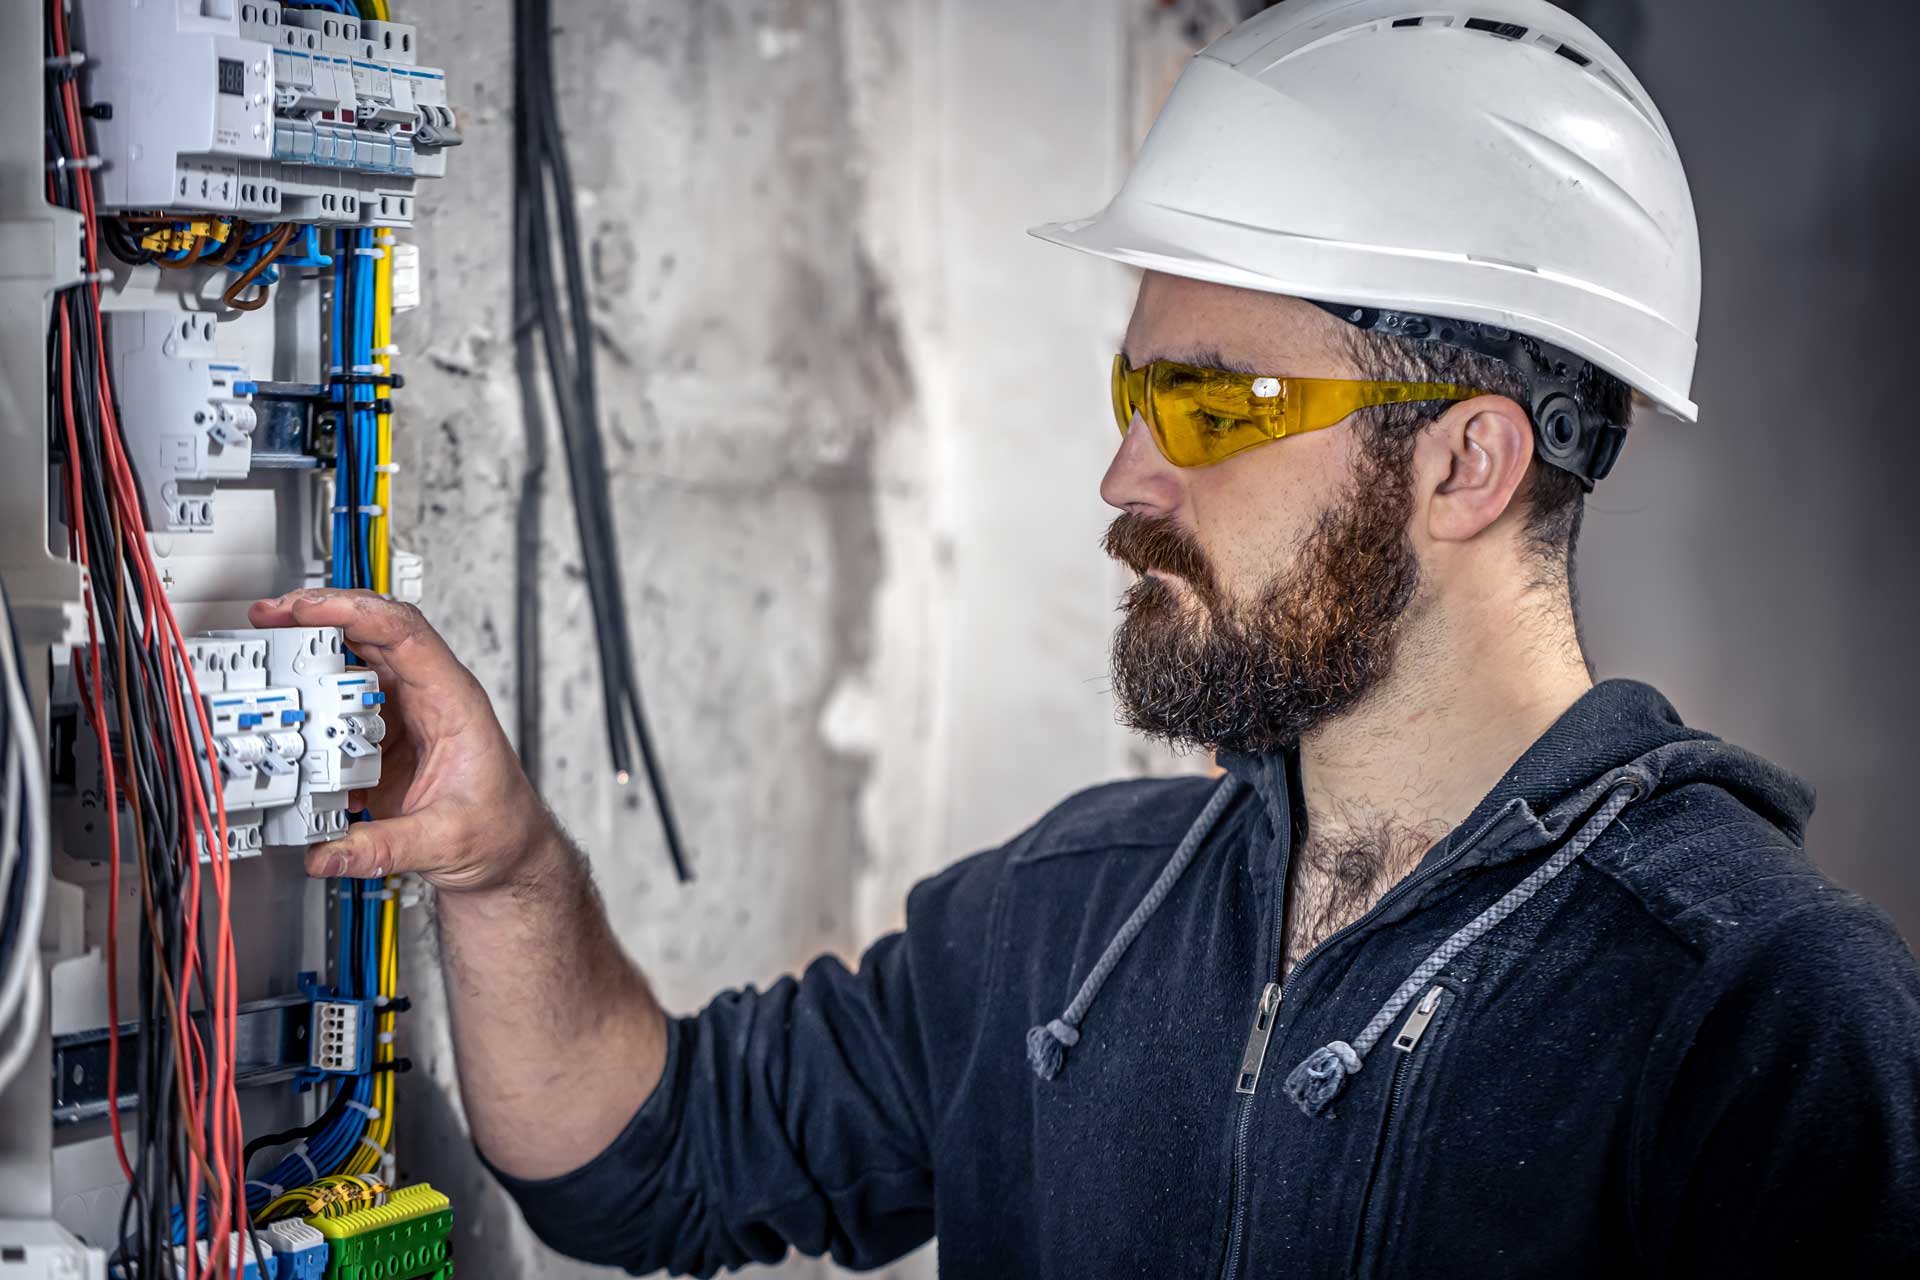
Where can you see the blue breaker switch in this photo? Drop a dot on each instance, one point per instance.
(372, 699)
(295, 716)
(249, 719)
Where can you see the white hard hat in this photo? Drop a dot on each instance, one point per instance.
(1495, 162)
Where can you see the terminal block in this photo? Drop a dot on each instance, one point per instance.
(243, 1263)
(404, 1239)
(263, 112)
(257, 744)
(299, 1251)
(341, 1037)
(188, 416)
(342, 728)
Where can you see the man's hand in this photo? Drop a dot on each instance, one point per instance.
(453, 803)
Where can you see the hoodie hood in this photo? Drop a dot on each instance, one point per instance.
(1615, 724)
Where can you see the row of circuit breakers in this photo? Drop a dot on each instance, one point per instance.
(295, 729)
(270, 114)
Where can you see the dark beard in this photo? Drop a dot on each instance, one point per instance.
(1253, 679)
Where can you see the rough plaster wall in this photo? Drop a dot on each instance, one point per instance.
(751, 368)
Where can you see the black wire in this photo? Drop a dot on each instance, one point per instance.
(542, 172)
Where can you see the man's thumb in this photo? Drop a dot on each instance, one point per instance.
(371, 849)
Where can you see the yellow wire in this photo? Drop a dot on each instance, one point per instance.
(378, 539)
(364, 1159)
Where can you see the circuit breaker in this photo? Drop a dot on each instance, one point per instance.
(257, 743)
(341, 722)
(188, 415)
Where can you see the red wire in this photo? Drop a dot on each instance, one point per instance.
(96, 714)
(212, 1095)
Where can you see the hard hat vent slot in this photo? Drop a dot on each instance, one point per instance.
(1574, 56)
(1507, 30)
(1408, 22)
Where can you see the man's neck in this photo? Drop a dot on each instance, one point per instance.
(1385, 781)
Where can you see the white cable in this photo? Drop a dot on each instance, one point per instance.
(16, 1057)
(10, 830)
(24, 963)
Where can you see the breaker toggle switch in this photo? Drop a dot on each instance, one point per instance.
(434, 127)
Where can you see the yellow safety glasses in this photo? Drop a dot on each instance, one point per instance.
(1203, 416)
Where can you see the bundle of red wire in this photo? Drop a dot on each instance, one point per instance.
(164, 773)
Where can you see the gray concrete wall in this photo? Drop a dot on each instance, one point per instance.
(856, 425)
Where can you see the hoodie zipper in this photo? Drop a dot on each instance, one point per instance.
(1266, 1014)
(1411, 1032)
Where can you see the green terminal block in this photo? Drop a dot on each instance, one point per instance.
(404, 1239)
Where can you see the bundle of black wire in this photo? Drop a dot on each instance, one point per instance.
(130, 697)
(544, 212)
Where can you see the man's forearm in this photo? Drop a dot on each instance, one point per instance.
(558, 1038)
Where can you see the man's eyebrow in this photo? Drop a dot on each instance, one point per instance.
(1206, 358)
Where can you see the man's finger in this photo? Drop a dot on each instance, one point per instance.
(382, 848)
(394, 638)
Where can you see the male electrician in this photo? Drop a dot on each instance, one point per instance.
(1468, 967)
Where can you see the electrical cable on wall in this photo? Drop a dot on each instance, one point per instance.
(547, 258)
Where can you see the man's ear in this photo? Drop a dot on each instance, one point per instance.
(1469, 462)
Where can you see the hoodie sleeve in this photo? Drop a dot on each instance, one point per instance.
(1780, 1112)
(798, 1117)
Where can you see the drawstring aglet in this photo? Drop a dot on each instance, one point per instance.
(1316, 1082)
(1047, 1047)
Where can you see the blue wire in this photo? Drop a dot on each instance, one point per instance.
(342, 357)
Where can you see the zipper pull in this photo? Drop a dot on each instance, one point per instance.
(1416, 1023)
(1256, 1054)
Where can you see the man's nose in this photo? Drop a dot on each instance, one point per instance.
(1140, 479)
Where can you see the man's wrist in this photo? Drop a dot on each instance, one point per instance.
(545, 861)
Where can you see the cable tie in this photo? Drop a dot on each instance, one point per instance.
(102, 276)
(378, 1150)
(273, 1189)
(371, 1113)
(368, 510)
(313, 1170)
(385, 895)
(60, 163)
(386, 468)
(369, 253)
(388, 350)
(380, 1002)
(377, 371)
(66, 61)
(385, 1037)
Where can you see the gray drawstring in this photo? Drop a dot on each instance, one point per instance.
(1048, 1043)
(1315, 1083)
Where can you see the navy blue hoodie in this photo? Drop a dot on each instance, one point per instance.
(1614, 1024)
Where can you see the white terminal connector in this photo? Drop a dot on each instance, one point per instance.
(341, 731)
(188, 415)
(336, 1036)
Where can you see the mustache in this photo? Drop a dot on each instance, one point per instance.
(1156, 542)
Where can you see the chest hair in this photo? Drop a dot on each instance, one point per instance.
(1339, 871)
